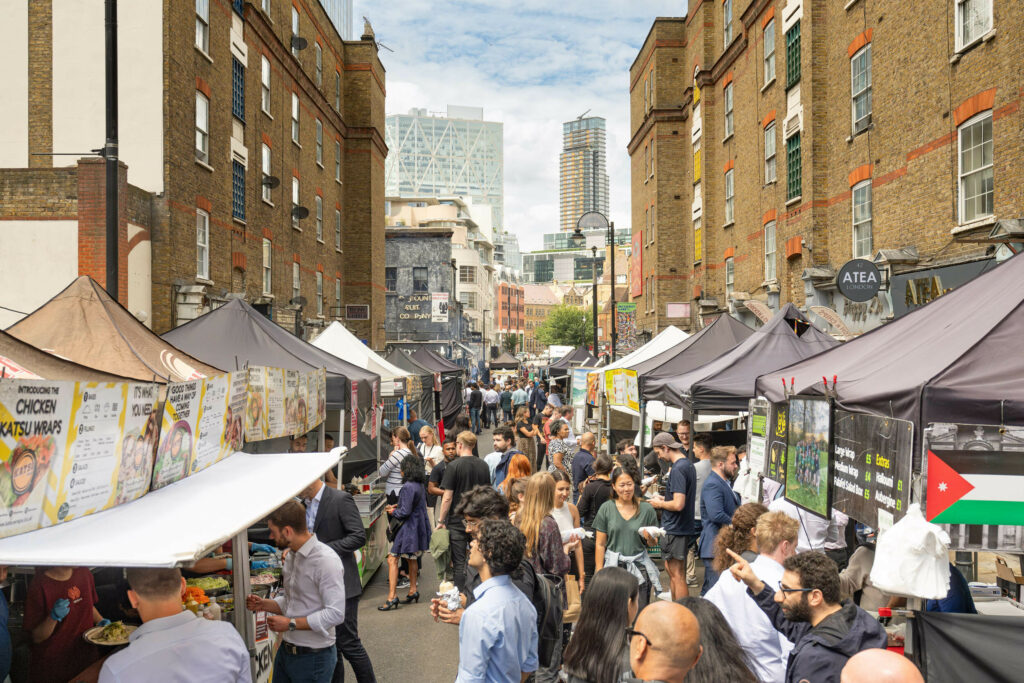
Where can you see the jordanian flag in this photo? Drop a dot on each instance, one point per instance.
(975, 487)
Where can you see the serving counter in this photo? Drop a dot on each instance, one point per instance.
(371, 501)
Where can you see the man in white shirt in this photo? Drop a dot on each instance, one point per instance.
(313, 602)
(814, 530)
(174, 644)
(491, 398)
(767, 649)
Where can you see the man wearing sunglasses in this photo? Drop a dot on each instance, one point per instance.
(806, 608)
(664, 644)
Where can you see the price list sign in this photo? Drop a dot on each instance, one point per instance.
(778, 430)
(871, 477)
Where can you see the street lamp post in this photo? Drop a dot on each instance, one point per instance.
(597, 220)
(593, 268)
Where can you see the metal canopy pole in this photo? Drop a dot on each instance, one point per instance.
(110, 153)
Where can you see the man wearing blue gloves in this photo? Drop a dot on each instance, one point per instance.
(59, 608)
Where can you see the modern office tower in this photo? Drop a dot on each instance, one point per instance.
(340, 14)
(583, 171)
(456, 154)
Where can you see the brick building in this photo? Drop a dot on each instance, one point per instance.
(232, 114)
(508, 305)
(773, 141)
(538, 300)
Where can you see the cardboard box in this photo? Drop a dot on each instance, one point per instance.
(1012, 583)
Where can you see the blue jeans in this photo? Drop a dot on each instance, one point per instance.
(313, 667)
(474, 419)
(710, 575)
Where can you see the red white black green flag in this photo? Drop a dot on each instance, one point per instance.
(975, 487)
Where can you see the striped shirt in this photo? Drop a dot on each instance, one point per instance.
(392, 469)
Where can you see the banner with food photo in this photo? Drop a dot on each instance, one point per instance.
(109, 454)
(294, 420)
(35, 417)
(275, 398)
(256, 405)
(219, 431)
(316, 398)
(177, 432)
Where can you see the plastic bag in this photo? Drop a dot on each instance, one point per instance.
(912, 558)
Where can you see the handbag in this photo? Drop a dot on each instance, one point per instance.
(393, 526)
(572, 593)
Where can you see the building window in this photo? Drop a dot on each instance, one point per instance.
(267, 265)
(319, 143)
(468, 299)
(295, 118)
(730, 196)
(728, 110)
(793, 56)
(337, 293)
(337, 229)
(769, 153)
(266, 7)
(976, 173)
(295, 28)
(295, 202)
(973, 20)
(319, 293)
(696, 161)
(467, 275)
(727, 22)
(793, 167)
(318, 203)
(265, 168)
(202, 244)
(730, 278)
(860, 88)
(391, 279)
(419, 279)
(318, 55)
(337, 161)
(203, 25)
(769, 250)
(862, 220)
(237, 90)
(698, 240)
(296, 280)
(237, 190)
(769, 51)
(265, 84)
(337, 91)
(202, 128)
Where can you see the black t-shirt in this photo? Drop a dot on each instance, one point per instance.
(595, 493)
(476, 399)
(682, 478)
(521, 427)
(436, 476)
(460, 476)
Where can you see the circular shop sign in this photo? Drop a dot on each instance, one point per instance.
(859, 280)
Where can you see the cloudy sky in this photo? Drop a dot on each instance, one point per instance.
(532, 68)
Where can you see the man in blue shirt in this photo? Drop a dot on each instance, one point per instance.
(677, 518)
(498, 631)
(717, 503)
(583, 464)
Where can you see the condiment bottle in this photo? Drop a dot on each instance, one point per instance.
(212, 611)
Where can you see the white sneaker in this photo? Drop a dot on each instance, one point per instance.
(665, 595)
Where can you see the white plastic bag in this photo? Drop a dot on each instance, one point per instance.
(912, 558)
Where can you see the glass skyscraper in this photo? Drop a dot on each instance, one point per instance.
(583, 173)
(340, 14)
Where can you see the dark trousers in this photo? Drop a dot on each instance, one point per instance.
(490, 415)
(589, 547)
(710, 575)
(311, 667)
(351, 648)
(459, 547)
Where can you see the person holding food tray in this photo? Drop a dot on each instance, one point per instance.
(174, 644)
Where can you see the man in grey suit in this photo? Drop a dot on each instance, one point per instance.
(332, 515)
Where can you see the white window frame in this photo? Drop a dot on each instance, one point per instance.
(265, 84)
(984, 27)
(726, 23)
(319, 143)
(296, 280)
(295, 118)
(318, 61)
(318, 203)
(962, 176)
(319, 294)
(268, 266)
(337, 160)
(728, 106)
(266, 7)
(295, 201)
(337, 90)
(295, 28)
(771, 150)
(203, 26)
(860, 195)
(202, 128)
(337, 229)
(770, 247)
(861, 124)
(202, 245)
(769, 52)
(265, 160)
(730, 196)
(730, 278)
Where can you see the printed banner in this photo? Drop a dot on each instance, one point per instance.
(177, 432)
(621, 388)
(294, 403)
(354, 423)
(871, 471)
(778, 429)
(625, 327)
(374, 401)
(220, 430)
(439, 307)
(593, 387)
(275, 400)
(256, 405)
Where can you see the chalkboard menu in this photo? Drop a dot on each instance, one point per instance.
(871, 480)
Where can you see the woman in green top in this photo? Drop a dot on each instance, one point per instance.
(617, 526)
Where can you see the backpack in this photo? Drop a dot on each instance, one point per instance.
(547, 600)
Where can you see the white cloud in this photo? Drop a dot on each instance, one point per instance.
(532, 65)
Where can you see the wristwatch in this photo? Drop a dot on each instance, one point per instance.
(291, 624)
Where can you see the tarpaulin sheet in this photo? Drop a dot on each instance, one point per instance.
(19, 360)
(954, 648)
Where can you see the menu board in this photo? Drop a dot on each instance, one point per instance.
(354, 425)
(108, 458)
(871, 477)
(621, 388)
(778, 428)
(312, 400)
(256, 405)
(757, 433)
(219, 432)
(178, 428)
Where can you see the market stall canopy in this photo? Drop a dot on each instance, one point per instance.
(957, 359)
(451, 383)
(434, 362)
(668, 338)
(727, 383)
(577, 358)
(505, 361)
(177, 524)
(19, 360)
(338, 341)
(236, 335)
(721, 336)
(85, 325)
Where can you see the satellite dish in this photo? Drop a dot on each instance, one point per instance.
(271, 181)
(300, 212)
(299, 43)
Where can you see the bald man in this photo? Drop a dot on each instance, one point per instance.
(664, 644)
(583, 464)
(880, 666)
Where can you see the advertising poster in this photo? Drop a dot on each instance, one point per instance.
(275, 399)
(808, 454)
(593, 387)
(871, 471)
(621, 388)
(220, 430)
(375, 400)
(312, 401)
(35, 419)
(757, 433)
(625, 327)
(108, 458)
(354, 422)
(578, 397)
(778, 429)
(439, 307)
(256, 405)
(177, 432)
(975, 484)
(294, 422)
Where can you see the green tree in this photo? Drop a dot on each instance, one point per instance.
(510, 343)
(566, 326)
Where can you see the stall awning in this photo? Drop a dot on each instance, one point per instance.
(178, 524)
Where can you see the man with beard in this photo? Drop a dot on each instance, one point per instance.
(807, 610)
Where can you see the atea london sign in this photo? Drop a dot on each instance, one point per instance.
(859, 280)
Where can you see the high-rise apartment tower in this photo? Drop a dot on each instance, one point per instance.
(583, 172)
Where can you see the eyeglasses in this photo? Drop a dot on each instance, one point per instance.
(787, 591)
(630, 632)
